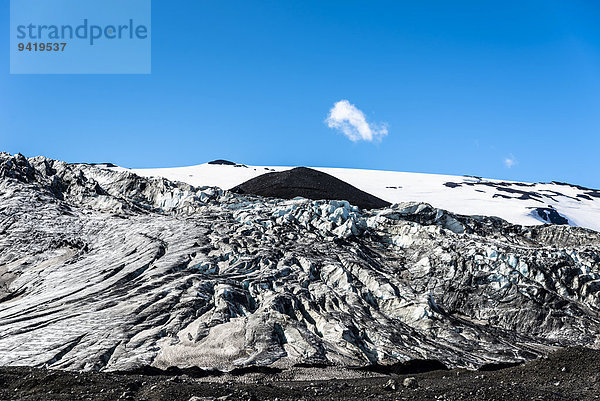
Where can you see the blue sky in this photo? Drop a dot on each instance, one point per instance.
(461, 87)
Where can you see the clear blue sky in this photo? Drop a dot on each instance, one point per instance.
(462, 86)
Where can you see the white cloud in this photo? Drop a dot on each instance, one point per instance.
(510, 161)
(346, 118)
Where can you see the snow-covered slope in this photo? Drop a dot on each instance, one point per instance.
(516, 202)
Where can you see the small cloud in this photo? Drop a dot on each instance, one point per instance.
(348, 119)
(510, 161)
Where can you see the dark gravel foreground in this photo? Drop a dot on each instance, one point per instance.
(569, 374)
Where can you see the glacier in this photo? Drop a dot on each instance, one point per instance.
(103, 269)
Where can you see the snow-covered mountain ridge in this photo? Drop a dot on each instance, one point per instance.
(516, 202)
(107, 270)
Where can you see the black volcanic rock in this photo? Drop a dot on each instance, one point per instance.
(310, 184)
(101, 164)
(222, 162)
(550, 215)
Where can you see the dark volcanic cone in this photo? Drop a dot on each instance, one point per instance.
(308, 183)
